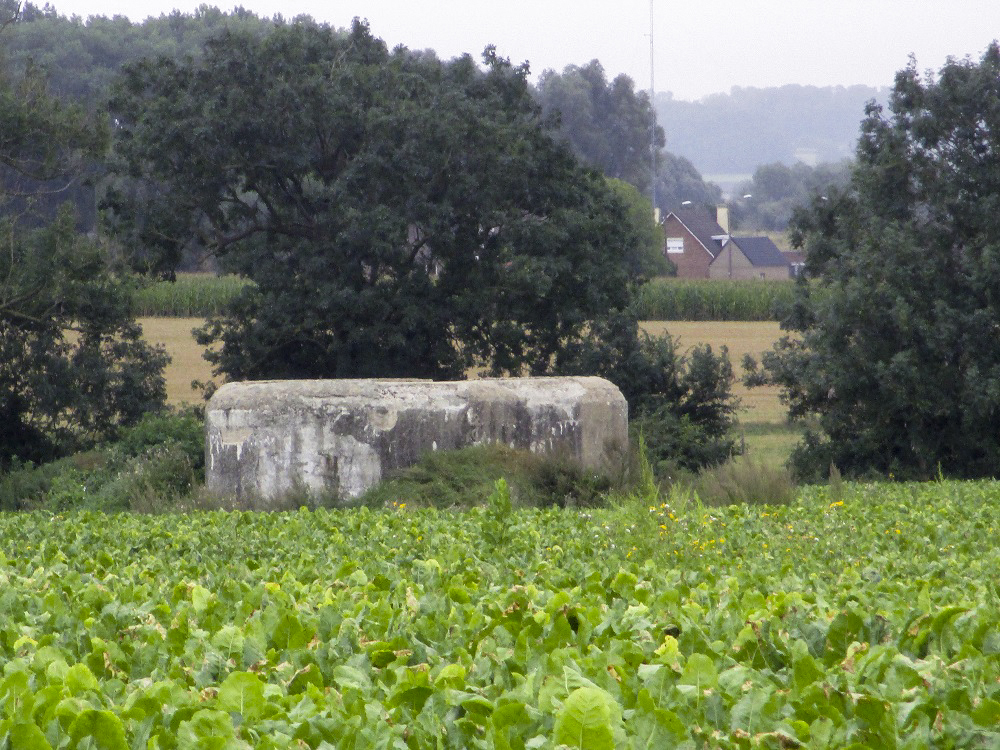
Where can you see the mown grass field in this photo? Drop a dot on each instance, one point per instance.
(760, 405)
(187, 362)
(856, 617)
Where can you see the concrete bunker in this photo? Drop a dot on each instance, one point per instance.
(267, 439)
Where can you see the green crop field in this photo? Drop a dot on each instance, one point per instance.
(713, 299)
(190, 295)
(206, 294)
(857, 617)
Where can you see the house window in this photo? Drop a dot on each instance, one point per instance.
(675, 245)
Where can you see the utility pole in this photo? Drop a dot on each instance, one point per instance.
(652, 115)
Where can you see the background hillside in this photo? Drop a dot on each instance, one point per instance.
(732, 134)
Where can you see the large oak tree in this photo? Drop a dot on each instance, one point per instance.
(399, 215)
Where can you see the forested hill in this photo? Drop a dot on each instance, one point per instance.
(736, 132)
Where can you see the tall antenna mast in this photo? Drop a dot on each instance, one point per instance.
(652, 115)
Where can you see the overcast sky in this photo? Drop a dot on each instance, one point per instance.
(700, 47)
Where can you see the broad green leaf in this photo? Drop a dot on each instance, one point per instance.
(103, 728)
(348, 677)
(200, 598)
(700, 672)
(452, 675)
(805, 670)
(206, 728)
(987, 713)
(243, 693)
(413, 697)
(755, 711)
(79, 679)
(27, 736)
(478, 705)
(584, 722)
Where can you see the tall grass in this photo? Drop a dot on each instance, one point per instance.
(193, 295)
(711, 299)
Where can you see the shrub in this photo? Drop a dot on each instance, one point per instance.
(467, 477)
(743, 480)
(156, 463)
(153, 481)
(185, 429)
(57, 485)
(684, 399)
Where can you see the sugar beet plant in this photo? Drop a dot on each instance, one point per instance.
(865, 620)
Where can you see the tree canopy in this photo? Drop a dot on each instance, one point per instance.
(776, 190)
(607, 123)
(612, 127)
(897, 354)
(73, 367)
(400, 216)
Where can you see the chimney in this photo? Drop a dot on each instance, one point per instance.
(722, 217)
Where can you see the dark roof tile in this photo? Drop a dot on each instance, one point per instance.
(761, 251)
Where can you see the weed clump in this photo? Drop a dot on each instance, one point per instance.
(466, 477)
(155, 464)
(742, 480)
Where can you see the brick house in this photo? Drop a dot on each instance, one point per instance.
(693, 239)
(702, 248)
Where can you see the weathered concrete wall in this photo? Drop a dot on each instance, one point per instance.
(266, 439)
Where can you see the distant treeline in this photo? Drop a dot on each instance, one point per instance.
(607, 123)
(768, 200)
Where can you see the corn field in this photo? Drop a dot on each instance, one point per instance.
(710, 299)
(200, 295)
(192, 295)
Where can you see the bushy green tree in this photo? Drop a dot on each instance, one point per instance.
(682, 402)
(678, 181)
(73, 367)
(400, 216)
(648, 259)
(776, 190)
(607, 123)
(896, 353)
